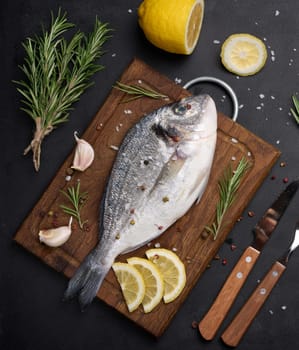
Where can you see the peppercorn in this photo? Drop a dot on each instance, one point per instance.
(69, 171)
(194, 325)
(204, 234)
(285, 180)
(224, 261)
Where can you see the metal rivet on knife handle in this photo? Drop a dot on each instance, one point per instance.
(235, 331)
(211, 322)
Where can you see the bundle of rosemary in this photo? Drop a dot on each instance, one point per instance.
(57, 72)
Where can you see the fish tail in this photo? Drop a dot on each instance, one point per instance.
(86, 281)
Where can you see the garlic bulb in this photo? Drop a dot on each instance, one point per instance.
(84, 154)
(55, 237)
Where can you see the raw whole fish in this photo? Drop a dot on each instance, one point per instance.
(161, 169)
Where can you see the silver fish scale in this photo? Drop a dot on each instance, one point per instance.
(138, 165)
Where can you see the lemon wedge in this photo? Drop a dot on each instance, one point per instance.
(172, 25)
(131, 283)
(172, 270)
(243, 54)
(153, 280)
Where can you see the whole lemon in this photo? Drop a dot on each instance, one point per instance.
(172, 25)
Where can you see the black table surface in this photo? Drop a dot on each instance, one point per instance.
(32, 315)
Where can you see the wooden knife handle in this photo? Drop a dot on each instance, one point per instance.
(235, 331)
(211, 322)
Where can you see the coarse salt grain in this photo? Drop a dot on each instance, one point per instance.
(277, 12)
(261, 96)
(115, 148)
(177, 80)
(127, 111)
(216, 41)
(233, 158)
(157, 245)
(174, 249)
(284, 307)
(130, 10)
(68, 178)
(233, 140)
(241, 106)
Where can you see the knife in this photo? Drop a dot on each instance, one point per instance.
(237, 328)
(211, 322)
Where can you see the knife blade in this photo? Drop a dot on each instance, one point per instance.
(211, 322)
(238, 327)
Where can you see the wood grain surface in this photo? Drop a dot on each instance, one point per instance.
(108, 127)
(211, 322)
(239, 325)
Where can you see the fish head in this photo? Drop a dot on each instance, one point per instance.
(192, 117)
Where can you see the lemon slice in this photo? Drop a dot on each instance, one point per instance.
(131, 283)
(172, 25)
(153, 280)
(172, 269)
(243, 54)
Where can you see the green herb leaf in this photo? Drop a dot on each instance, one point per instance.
(57, 72)
(138, 91)
(228, 186)
(295, 112)
(77, 200)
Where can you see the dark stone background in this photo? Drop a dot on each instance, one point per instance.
(32, 316)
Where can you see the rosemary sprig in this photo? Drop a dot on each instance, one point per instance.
(228, 187)
(77, 200)
(138, 91)
(295, 112)
(57, 72)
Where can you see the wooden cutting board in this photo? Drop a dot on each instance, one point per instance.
(107, 129)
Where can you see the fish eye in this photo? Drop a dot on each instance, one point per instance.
(180, 109)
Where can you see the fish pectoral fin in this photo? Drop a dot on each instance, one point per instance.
(200, 186)
(169, 171)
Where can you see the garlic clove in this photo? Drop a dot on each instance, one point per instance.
(84, 154)
(55, 237)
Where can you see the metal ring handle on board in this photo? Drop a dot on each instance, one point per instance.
(223, 84)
